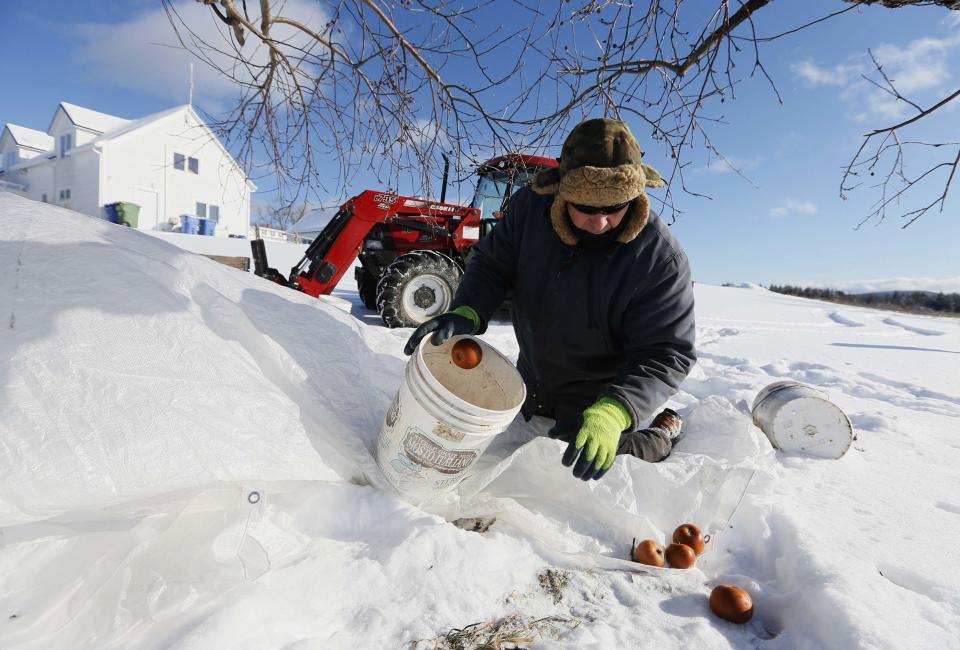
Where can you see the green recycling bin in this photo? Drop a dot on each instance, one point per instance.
(128, 213)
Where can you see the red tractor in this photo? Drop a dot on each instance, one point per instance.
(412, 251)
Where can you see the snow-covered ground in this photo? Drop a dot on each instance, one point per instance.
(185, 463)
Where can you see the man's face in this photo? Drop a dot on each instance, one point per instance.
(596, 224)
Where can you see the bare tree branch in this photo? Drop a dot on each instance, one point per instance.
(885, 144)
(391, 86)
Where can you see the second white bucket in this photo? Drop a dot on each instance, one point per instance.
(800, 418)
(444, 417)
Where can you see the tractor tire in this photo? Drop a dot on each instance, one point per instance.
(367, 288)
(416, 287)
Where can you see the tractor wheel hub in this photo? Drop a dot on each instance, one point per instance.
(424, 297)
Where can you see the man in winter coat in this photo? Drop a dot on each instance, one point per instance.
(603, 300)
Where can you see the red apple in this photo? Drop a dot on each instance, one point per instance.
(731, 603)
(467, 354)
(680, 556)
(648, 552)
(691, 536)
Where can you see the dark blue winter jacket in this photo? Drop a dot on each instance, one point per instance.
(592, 321)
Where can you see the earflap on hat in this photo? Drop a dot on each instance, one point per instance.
(652, 176)
(546, 181)
(561, 222)
(637, 216)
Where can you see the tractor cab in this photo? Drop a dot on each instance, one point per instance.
(498, 179)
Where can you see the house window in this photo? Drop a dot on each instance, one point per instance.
(43, 197)
(64, 194)
(215, 212)
(178, 159)
(194, 165)
(11, 159)
(201, 210)
(66, 143)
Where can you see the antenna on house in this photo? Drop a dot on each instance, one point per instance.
(190, 99)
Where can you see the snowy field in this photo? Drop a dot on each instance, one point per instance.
(185, 462)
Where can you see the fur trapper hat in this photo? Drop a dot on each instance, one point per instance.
(599, 165)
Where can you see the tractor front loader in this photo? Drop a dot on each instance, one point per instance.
(412, 251)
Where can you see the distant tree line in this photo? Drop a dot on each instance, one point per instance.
(913, 301)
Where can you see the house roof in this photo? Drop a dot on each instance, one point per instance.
(6, 185)
(33, 162)
(108, 127)
(30, 138)
(133, 125)
(89, 119)
(313, 221)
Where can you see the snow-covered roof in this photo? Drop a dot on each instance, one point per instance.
(30, 138)
(6, 185)
(33, 162)
(91, 120)
(313, 221)
(108, 127)
(132, 125)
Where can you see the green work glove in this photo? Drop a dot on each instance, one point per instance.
(595, 446)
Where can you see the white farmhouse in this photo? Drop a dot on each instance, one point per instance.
(169, 163)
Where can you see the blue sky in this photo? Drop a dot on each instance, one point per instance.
(785, 224)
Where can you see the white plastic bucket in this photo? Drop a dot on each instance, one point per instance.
(444, 417)
(799, 418)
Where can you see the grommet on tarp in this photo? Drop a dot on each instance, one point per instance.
(253, 557)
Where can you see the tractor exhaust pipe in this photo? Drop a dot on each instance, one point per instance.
(446, 173)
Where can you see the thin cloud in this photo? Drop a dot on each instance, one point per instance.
(837, 75)
(946, 285)
(729, 165)
(144, 54)
(919, 65)
(914, 68)
(791, 207)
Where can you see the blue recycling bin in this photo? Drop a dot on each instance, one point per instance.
(188, 224)
(208, 227)
(112, 215)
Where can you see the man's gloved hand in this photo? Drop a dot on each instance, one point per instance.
(595, 446)
(462, 320)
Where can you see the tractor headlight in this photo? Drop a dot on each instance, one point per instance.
(373, 245)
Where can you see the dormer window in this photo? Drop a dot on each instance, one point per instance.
(184, 163)
(66, 143)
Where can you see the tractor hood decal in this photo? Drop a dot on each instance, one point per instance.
(436, 207)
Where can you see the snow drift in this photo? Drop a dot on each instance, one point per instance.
(186, 462)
